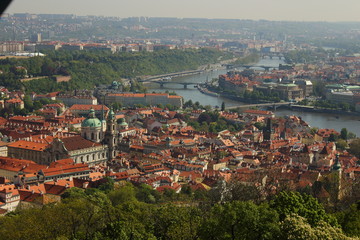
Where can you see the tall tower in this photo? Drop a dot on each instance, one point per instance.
(110, 134)
(337, 171)
(268, 131)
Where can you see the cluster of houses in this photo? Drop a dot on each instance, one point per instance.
(42, 156)
(340, 74)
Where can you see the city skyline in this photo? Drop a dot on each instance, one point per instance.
(277, 10)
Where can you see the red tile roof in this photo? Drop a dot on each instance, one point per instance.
(29, 145)
(88, 107)
(78, 142)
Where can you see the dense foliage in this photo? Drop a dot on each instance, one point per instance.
(90, 68)
(250, 59)
(122, 211)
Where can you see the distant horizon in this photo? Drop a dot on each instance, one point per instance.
(256, 10)
(215, 18)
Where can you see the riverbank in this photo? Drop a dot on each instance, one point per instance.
(323, 119)
(213, 71)
(202, 88)
(304, 108)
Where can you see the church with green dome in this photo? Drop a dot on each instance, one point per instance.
(92, 128)
(103, 131)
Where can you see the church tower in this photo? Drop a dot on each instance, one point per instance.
(268, 131)
(337, 171)
(91, 127)
(110, 134)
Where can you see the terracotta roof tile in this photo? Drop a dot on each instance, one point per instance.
(78, 142)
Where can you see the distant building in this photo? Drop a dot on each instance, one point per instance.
(14, 103)
(82, 110)
(285, 91)
(47, 46)
(71, 98)
(72, 47)
(306, 86)
(153, 99)
(234, 82)
(36, 37)
(11, 47)
(340, 96)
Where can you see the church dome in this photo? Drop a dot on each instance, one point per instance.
(122, 122)
(91, 120)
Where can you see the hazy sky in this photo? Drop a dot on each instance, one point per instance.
(299, 10)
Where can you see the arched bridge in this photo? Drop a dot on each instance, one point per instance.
(171, 75)
(266, 68)
(271, 55)
(185, 84)
(274, 105)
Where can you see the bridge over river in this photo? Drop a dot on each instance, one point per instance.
(274, 105)
(170, 75)
(185, 84)
(266, 68)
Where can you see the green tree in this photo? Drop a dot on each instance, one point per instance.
(123, 194)
(355, 147)
(349, 220)
(240, 220)
(286, 203)
(295, 227)
(341, 144)
(344, 133)
(333, 137)
(173, 222)
(146, 193)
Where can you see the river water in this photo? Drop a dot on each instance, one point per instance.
(321, 120)
(195, 95)
(326, 120)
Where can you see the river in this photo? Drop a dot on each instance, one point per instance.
(321, 120)
(326, 120)
(195, 95)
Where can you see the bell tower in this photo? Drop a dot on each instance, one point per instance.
(268, 131)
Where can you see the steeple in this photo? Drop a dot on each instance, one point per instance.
(337, 164)
(111, 115)
(268, 130)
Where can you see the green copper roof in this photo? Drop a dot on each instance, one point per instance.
(111, 114)
(92, 120)
(122, 122)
